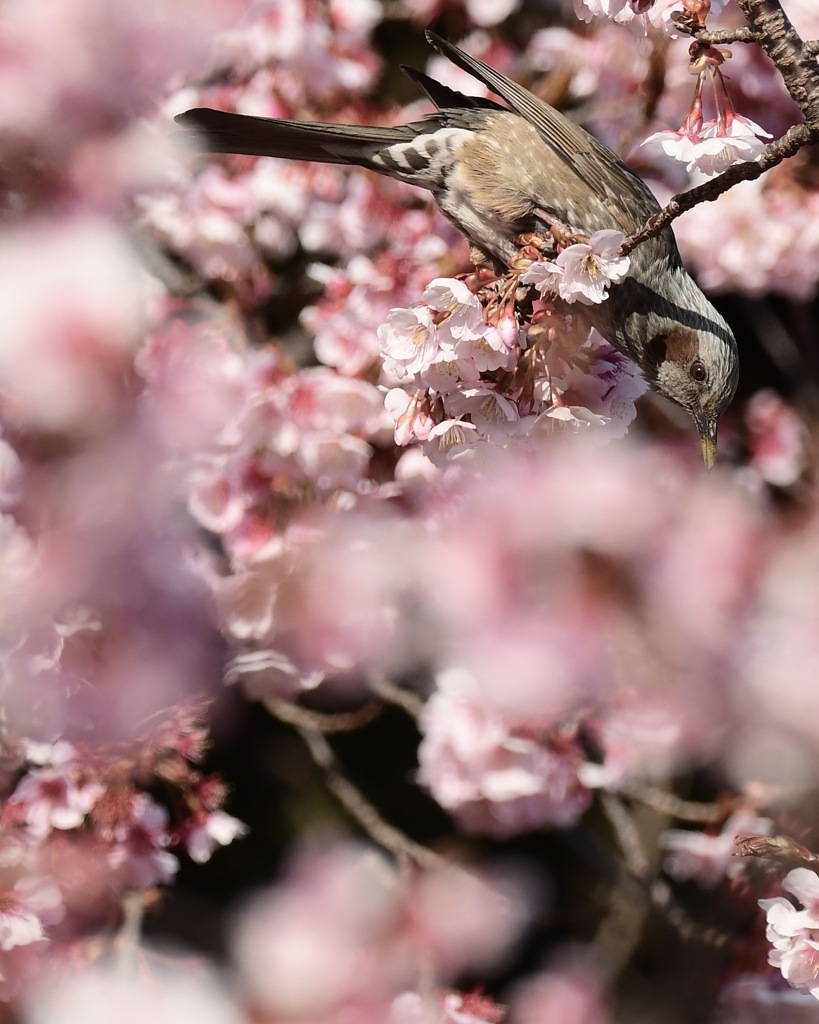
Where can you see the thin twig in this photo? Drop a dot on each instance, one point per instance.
(723, 37)
(397, 695)
(686, 927)
(317, 721)
(627, 835)
(659, 893)
(673, 806)
(127, 941)
(774, 153)
(360, 808)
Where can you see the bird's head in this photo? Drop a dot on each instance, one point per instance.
(684, 347)
(696, 369)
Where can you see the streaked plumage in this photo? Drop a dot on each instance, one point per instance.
(499, 171)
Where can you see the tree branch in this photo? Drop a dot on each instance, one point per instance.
(730, 35)
(774, 153)
(360, 808)
(397, 695)
(318, 721)
(786, 48)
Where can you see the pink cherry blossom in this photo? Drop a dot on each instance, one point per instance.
(54, 797)
(408, 340)
(445, 1008)
(341, 935)
(716, 153)
(616, 9)
(637, 744)
(544, 275)
(636, 13)
(679, 145)
(213, 829)
(412, 415)
(461, 308)
(30, 903)
(496, 776)
(794, 933)
(590, 267)
(139, 857)
(710, 858)
(165, 991)
(572, 992)
(74, 314)
(490, 12)
(714, 147)
(776, 438)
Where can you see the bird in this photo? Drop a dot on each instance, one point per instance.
(498, 171)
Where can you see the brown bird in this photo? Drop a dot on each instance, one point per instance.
(497, 172)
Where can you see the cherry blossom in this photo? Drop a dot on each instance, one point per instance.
(184, 489)
(544, 275)
(54, 797)
(463, 315)
(679, 145)
(408, 340)
(716, 151)
(342, 934)
(794, 933)
(497, 777)
(710, 858)
(31, 903)
(714, 146)
(211, 830)
(572, 991)
(590, 267)
(99, 992)
(445, 1008)
(139, 856)
(776, 439)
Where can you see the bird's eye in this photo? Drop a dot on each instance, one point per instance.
(698, 372)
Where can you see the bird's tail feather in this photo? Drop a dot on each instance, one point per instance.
(219, 131)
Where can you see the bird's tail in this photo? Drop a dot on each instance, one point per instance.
(218, 131)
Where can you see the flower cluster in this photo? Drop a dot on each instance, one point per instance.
(712, 146)
(793, 932)
(78, 830)
(640, 14)
(482, 376)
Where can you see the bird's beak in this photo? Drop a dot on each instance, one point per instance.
(708, 441)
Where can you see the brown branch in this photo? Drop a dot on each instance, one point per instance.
(673, 806)
(397, 695)
(360, 808)
(686, 927)
(658, 892)
(318, 721)
(729, 35)
(774, 153)
(786, 48)
(627, 836)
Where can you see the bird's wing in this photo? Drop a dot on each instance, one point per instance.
(595, 164)
(445, 98)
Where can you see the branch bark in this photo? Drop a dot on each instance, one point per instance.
(796, 61)
(786, 48)
(774, 153)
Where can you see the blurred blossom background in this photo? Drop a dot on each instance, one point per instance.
(346, 679)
